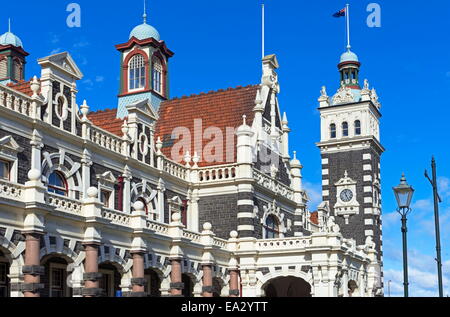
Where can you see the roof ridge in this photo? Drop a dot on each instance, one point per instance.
(212, 92)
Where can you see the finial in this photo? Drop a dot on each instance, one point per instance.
(244, 117)
(9, 25)
(145, 12)
(295, 155)
(346, 174)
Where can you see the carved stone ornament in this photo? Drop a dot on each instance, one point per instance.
(343, 95)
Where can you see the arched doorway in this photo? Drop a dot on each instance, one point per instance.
(153, 283)
(287, 287)
(55, 278)
(4, 272)
(188, 290)
(110, 281)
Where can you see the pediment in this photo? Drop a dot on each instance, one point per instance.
(143, 106)
(107, 177)
(9, 143)
(345, 181)
(63, 62)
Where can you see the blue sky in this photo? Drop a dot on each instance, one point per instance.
(218, 45)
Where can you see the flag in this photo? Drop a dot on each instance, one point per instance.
(340, 13)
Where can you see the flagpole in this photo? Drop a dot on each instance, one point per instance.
(347, 14)
(263, 31)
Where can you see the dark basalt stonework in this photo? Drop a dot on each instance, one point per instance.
(353, 163)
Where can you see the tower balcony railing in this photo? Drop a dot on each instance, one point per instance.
(219, 173)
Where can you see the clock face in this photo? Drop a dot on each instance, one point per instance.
(346, 195)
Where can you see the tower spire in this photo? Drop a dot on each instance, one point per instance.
(145, 12)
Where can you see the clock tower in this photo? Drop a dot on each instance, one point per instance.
(351, 152)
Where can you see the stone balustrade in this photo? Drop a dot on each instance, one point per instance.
(283, 244)
(217, 174)
(105, 139)
(16, 101)
(116, 217)
(11, 190)
(174, 169)
(64, 204)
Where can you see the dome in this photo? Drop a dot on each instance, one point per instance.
(349, 56)
(10, 39)
(145, 31)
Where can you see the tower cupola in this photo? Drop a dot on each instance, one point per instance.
(12, 57)
(349, 68)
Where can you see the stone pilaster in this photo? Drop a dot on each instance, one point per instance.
(32, 270)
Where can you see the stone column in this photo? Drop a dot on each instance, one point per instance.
(138, 280)
(234, 283)
(176, 285)
(91, 276)
(32, 269)
(207, 290)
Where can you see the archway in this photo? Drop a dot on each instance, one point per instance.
(110, 281)
(4, 272)
(153, 283)
(55, 278)
(287, 287)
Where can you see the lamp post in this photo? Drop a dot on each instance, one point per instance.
(404, 193)
(437, 200)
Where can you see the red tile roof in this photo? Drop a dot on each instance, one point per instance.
(222, 109)
(22, 86)
(315, 218)
(106, 119)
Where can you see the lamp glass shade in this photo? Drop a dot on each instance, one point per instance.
(403, 194)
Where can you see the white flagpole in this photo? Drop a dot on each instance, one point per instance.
(347, 14)
(263, 31)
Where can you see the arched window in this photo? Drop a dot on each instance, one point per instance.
(137, 72)
(272, 228)
(333, 131)
(357, 127)
(57, 184)
(345, 129)
(157, 76)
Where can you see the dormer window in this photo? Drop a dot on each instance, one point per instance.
(157, 76)
(345, 129)
(137, 73)
(333, 131)
(357, 127)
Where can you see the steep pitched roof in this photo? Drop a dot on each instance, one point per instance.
(23, 87)
(106, 119)
(221, 109)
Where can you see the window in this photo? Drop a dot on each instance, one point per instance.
(333, 131)
(4, 170)
(137, 72)
(272, 231)
(357, 127)
(157, 76)
(105, 196)
(57, 184)
(345, 129)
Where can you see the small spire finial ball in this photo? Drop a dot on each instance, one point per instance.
(176, 217)
(207, 226)
(234, 234)
(92, 192)
(34, 175)
(138, 205)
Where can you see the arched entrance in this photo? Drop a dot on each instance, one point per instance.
(110, 282)
(4, 279)
(287, 287)
(55, 277)
(153, 283)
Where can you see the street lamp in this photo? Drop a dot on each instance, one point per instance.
(403, 194)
